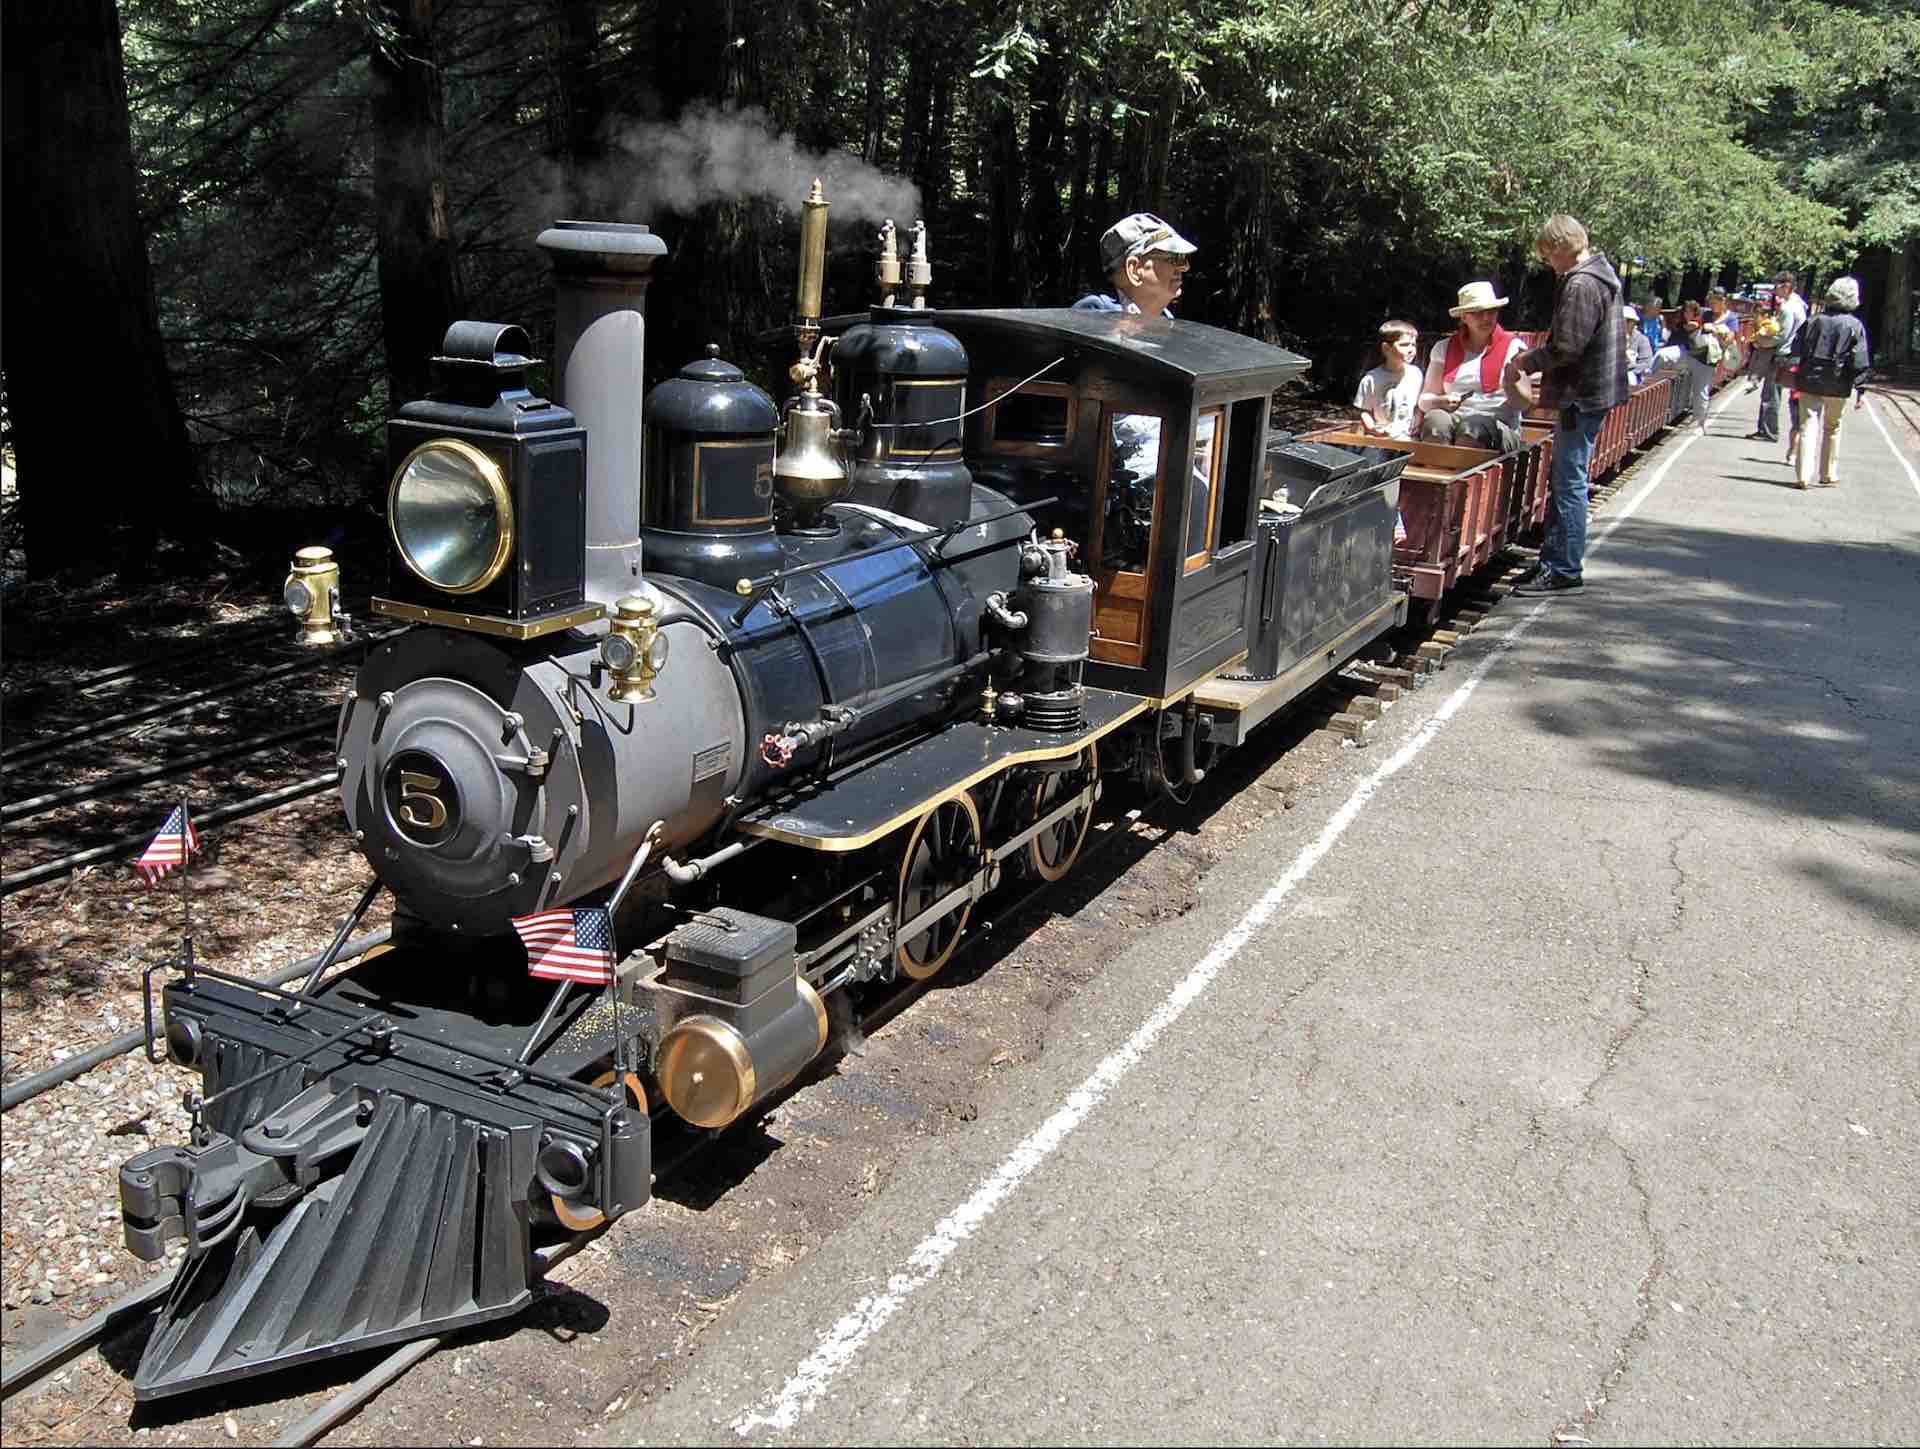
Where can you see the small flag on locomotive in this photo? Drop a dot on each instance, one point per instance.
(570, 943)
(175, 841)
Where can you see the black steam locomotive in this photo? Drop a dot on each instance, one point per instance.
(886, 640)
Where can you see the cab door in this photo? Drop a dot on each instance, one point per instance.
(1131, 460)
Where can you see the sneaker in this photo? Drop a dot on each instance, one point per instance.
(1759, 437)
(1531, 575)
(1549, 583)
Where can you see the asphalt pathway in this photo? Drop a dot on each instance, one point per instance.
(1551, 1077)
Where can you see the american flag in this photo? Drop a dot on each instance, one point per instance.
(570, 943)
(176, 841)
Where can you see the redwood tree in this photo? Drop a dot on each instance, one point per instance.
(102, 450)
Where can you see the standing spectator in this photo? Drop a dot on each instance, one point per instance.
(1701, 349)
(1583, 371)
(1831, 360)
(1792, 313)
(1464, 400)
(1389, 394)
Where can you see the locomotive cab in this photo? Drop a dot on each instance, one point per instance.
(1151, 434)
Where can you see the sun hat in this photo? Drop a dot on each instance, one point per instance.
(1477, 297)
(1138, 234)
(1844, 292)
(1632, 314)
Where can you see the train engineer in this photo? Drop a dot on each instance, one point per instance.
(1583, 373)
(1146, 261)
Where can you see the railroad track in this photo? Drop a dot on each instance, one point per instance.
(80, 773)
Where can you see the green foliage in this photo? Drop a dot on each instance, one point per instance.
(1334, 159)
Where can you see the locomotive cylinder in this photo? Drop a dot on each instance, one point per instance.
(744, 1022)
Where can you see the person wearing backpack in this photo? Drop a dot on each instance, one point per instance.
(1701, 349)
(1830, 359)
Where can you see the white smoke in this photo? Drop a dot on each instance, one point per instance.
(714, 155)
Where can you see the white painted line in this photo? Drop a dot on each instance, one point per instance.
(1898, 456)
(841, 1344)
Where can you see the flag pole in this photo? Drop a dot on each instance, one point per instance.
(186, 895)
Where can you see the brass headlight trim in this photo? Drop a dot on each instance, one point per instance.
(496, 482)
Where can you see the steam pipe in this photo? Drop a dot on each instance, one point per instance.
(695, 870)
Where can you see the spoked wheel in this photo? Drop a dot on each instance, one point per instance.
(574, 1216)
(1052, 852)
(942, 852)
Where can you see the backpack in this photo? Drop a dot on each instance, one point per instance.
(1826, 363)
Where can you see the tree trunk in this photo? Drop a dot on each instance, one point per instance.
(879, 46)
(1133, 164)
(1076, 228)
(1102, 202)
(1007, 279)
(939, 169)
(916, 108)
(98, 434)
(1040, 216)
(1893, 340)
(579, 107)
(419, 288)
(1161, 154)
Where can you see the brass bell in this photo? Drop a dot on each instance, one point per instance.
(807, 470)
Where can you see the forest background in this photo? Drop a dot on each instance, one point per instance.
(235, 230)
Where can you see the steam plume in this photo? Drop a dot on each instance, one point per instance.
(714, 155)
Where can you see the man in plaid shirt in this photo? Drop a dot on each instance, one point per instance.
(1583, 369)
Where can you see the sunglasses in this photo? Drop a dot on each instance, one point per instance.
(1167, 261)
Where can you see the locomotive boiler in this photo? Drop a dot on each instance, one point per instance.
(767, 695)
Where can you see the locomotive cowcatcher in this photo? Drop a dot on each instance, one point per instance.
(783, 690)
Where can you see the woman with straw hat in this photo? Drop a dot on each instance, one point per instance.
(1464, 401)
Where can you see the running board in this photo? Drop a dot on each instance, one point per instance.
(422, 1233)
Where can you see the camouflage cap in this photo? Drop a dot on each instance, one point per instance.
(1136, 235)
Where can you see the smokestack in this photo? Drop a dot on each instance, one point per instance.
(600, 275)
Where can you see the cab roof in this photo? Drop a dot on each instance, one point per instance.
(1188, 352)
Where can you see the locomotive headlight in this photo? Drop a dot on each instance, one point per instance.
(451, 516)
(297, 596)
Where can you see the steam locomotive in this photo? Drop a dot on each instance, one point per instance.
(887, 639)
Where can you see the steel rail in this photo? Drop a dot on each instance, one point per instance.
(28, 1088)
(118, 724)
(81, 683)
(127, 844)
(185, 764)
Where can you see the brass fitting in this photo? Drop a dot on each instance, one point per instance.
(813, 254)
(634, 651)
(312, 595)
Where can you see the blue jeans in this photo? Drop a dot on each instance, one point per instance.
(1565, 549)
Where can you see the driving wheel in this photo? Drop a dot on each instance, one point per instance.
(942, 853)
(1052, 852)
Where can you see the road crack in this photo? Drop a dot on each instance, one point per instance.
(1594, 1405)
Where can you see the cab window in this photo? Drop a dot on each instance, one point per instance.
(1203, 487)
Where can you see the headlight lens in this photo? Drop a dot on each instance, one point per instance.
(618, 653)
(451, 516)
(297, 596)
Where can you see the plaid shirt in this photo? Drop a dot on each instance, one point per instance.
(1584, 361)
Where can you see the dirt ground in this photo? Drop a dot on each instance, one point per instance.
(615, 1323)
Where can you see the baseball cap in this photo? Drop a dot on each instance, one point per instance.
(1136, 235)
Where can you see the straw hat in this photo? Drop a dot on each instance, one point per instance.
(1477, 297)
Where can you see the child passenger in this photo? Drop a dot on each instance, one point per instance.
(1389, 394)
